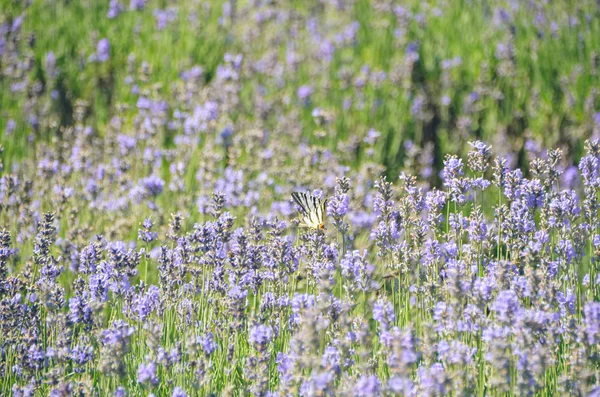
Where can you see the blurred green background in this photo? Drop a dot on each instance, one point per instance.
(434, 73)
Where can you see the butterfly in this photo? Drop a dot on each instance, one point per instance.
(312, 208)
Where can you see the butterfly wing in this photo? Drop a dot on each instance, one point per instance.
(307, 204)
(301, 199)
(317, 214)
(312, 208)
(323, 212)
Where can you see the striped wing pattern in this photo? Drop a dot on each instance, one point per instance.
(312, 208)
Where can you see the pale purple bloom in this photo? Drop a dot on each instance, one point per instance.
(208, 343)
(304, 92)
(284, 366)
(137, 5)
(338, 205)
(507, 306)
(261, 335)
(153, 185)
(146, 374)
(114, 9)
(383, 313)
(103, 51)
(357, 270)
(367, 386)
(591, 312)
(178, 392)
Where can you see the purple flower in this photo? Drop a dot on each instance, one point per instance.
(103, 51)
(385, 233)
(119, 333)
(589, 166)
(146, 234)
(401, 385)
(507, 306)
(432, 380)
(570, 178)
(563, 209)
(260, 335)
(153, 185)
(453, 168)
(146, 374)
(357, 270)
(417, 106)
(367, 386)
(337, 206)
(304, 92)
(11, 125)
(207, 341)
(412, 52)
(225, 135)
(114, 9)
(164, 17)
(331, 359)
(82, 354)
(143, 305)
(372, 137)
(591, 312)
(137, 5)
(284, 367)
(319, 384)
(453, 180)
(383, 313)
(444, 316)
(80, 310)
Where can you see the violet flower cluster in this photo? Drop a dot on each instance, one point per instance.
(490, 283)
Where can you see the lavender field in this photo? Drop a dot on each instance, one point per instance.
(150, 246)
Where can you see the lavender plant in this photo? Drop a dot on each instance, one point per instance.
(148, 238)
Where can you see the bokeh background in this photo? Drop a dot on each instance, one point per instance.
(427, 76)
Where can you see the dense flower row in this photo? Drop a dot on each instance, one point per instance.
(444, 299)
